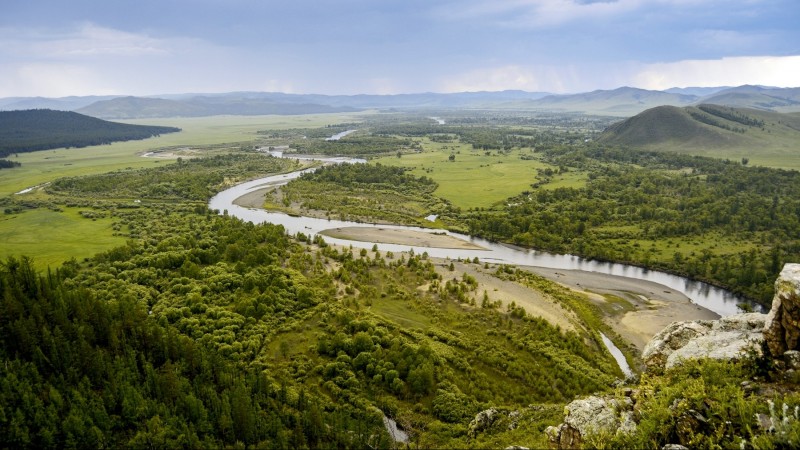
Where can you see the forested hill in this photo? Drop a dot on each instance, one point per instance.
(705, 128)
(42, 129)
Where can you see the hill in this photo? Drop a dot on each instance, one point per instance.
(624, 101)
(758, 97)
(711, 130)
(42, 129)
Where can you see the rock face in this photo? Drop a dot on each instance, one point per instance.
(782, 328)
(727, 338)
(592, 416)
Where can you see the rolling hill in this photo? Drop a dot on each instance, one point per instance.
(773, 99)
(711, 130)
(624, 101)
(42, 129)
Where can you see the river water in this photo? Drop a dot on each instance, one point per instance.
(715, 299)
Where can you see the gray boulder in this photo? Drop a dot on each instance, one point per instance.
(782, 327)
(592, 416)
(727, 338)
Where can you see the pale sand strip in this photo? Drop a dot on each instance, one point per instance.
(400, 237)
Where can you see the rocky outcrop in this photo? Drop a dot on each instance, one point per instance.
(592, 416)
(728, 338)
(782, 328)
(482, 421)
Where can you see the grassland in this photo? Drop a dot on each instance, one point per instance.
(478, 179)
(51, 237)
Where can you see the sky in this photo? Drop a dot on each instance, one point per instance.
(56, 48)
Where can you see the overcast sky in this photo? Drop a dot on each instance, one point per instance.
(145, 47)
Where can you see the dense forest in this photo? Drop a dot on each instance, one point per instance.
(6, 164)
(43, 129)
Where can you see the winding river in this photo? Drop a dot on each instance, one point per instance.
(715, 299)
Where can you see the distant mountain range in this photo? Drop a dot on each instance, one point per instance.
(622, 102)
(705, 128)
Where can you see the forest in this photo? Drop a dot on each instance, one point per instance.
(43, 129)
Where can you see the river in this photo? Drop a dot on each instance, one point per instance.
(713, 298)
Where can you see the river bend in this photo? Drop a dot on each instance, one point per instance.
(713, 298)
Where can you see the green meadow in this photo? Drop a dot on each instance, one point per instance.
(51, 237)
(475, 178)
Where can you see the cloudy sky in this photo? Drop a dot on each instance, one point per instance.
(145, 47)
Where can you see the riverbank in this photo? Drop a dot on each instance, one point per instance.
(646, 307)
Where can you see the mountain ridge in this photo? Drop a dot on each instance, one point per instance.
(623, 102)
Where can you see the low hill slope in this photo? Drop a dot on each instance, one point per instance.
(720, 131)
(42, 129)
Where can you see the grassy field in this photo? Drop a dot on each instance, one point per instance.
(475, 179)
(51, 237)
(44, 166)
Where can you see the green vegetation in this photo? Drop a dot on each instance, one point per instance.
(193, 179)
(645, 208)
(42, 129)
(703, 405)
(200, 137)
(6, 164)
(359, 192)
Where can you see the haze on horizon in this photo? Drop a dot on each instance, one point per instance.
(53, 48)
